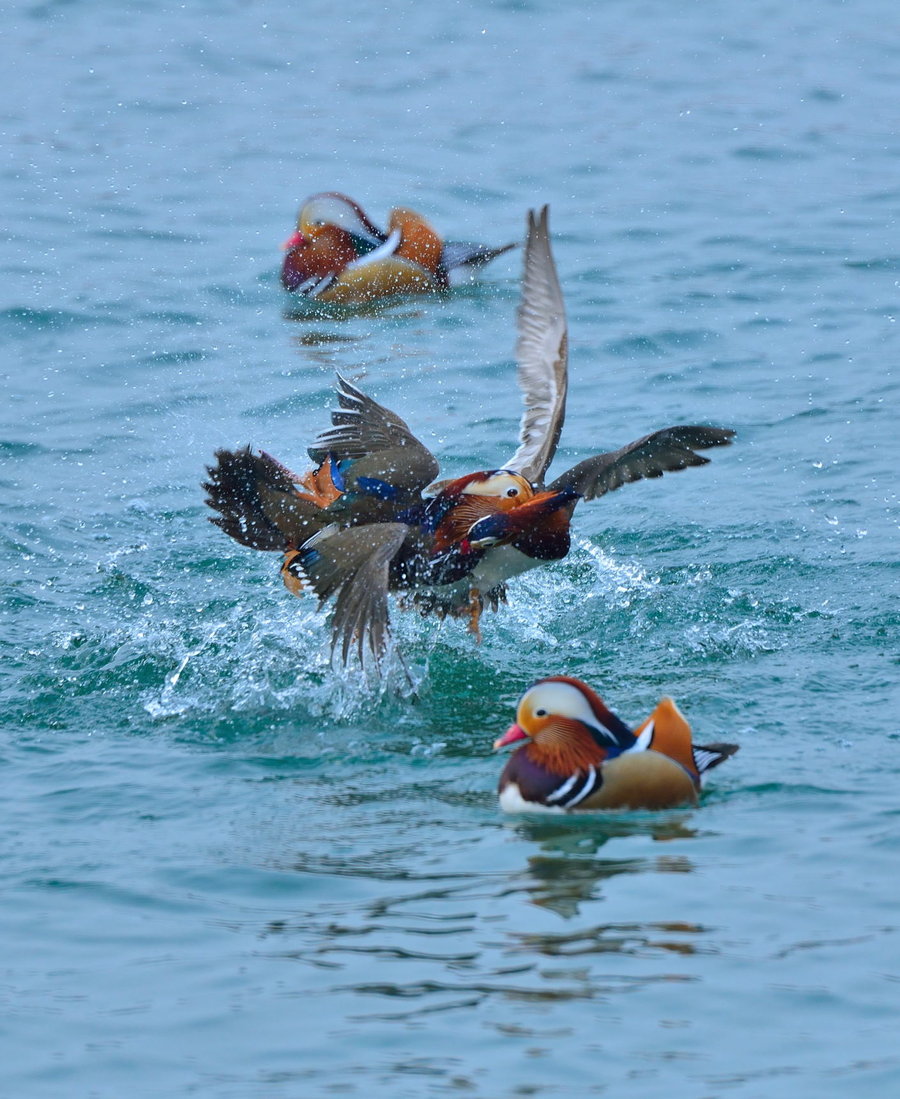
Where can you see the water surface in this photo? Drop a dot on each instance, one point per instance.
(230, 871)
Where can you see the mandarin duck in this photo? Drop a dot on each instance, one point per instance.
(370, 519)
(579, 756)
(337, 255)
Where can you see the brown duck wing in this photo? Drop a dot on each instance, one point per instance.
(664, 451)
(541, 353)
(257, 501)
(353, 565)
(376, 441)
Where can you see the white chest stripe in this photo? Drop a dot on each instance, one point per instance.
(589, 785)
(560, 792)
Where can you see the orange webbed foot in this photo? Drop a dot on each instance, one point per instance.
(319, 485)
(474, 609)
(292, 577)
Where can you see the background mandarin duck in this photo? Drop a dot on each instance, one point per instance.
(338, 256)
(579, 756)
(369, 519)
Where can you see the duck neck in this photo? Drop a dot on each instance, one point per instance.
(564, 747)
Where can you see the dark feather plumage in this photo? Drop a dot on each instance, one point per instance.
(353, 565)
(365, 528)
(707, 756)
(257, 502)
(378, 443)
(665, 451)
(458, 253)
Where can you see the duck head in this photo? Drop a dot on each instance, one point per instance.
(332, 233)
(455, 505)
(508, 489)
(331, 208)
(538, 527)
(561, 711)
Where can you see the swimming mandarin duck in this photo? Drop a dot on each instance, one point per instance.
(579, 756)
(370, 519)
(337, 255)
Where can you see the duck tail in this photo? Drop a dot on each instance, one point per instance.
(457, 253)
(707, 756)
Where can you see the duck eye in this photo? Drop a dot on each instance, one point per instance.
(540, 713)
(512, 492)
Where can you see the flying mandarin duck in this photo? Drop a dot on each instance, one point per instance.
(370, 519)
(338, 256)
(578, 756)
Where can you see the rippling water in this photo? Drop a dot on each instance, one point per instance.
(228, 870)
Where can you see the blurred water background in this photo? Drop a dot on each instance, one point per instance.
(230, 871)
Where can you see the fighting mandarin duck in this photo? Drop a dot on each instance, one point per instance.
(578, 756)
(370, 518)
(338, 256)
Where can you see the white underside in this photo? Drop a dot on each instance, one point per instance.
(511, 801)
(498, 565)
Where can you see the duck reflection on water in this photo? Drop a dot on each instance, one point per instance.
(567, 874)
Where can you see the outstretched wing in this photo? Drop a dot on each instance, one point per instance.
(664, 451)
(257, 501)
(353, 565)
(541, 353)
(376, 441)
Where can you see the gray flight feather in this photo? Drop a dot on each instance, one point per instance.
(664, 451)
(541, 354)
(354, 564)
(376, 440)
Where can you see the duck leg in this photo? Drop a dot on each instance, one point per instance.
(292, 577)
(474, 609)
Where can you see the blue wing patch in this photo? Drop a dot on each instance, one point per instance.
(374, 486)
(337, 474)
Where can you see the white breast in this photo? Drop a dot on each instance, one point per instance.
(511, 801)
(498, 565)
(495, 567)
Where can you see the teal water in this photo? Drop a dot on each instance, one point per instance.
(229, 870)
